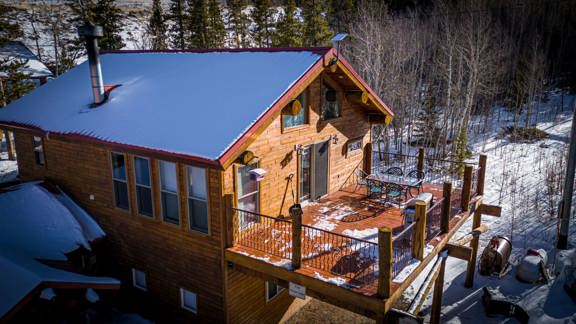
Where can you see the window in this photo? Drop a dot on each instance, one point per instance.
(139, 279)
(169, 192)
(197, 199)
(189, 300)
(354, 145)
(272, 290)
(330, 105)
(119, 179)
(38, 150)
(143, 186)
(305, 173)
(302, 117)
(248, 188)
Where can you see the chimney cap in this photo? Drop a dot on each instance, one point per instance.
(89, 30)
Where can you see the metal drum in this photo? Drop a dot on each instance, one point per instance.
(495, 256)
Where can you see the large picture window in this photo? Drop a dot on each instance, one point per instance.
(197, 199)
(169, 192)
(38, 149)
(330, 105)
(302, 117)
(143, 186)
(120, 181)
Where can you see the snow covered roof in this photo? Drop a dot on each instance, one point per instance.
(194, 104)
(17, 50)
(40, 222)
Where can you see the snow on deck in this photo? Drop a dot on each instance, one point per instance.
(182, 102)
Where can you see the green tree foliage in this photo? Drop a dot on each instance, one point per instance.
(177, 30)
(157, 27)
(238, 22)
(216, 33)
(262, 18)
(14, 83)
(289, 28)
(197, 24)
(316, 29)
(8, 29)
(102, 13)
(341, 14)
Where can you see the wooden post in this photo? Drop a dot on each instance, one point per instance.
(385, 262)
(481, 175)
(446, 207)
(467, 187)
(438, 290)
(10, 146)
(368, 158)
(296, 213)
(419, 238)
(474, 245)
(421, 159)
(231, 220)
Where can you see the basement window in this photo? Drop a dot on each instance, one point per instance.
(143, 186)
(169, 192)
(189, 300)
(39, 151)
(139, 279)
(272, 290)
(120, 181)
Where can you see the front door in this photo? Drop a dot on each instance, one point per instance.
(320, 169)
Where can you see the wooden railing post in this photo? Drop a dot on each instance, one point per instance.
(481, 175)
(438, 290)
(231, 220)
(385, 262)
(446, 207)
(296, 214)
(421, 159)
(419, 238)
(477, 220)
(467, 187)
(368, 158)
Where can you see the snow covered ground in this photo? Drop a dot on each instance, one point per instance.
(516, 180)
(8, 169)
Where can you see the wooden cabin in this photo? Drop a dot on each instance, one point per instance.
(183, 137)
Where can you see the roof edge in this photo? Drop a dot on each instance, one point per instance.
(317, 50)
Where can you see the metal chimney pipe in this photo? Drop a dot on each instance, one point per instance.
(91, 33)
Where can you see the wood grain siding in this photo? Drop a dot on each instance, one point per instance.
(172, 257)
(274, 146)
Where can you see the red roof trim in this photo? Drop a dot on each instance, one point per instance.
(317, 50)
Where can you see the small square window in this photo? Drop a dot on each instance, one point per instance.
(189, 300)
(354, 145)
(272, 290)
(139, 279)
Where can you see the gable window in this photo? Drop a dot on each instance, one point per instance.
(189, 300)
(139, 279)
(169, 192)
(197, 199)
(38, 150)
(119, 180)
(272, 290)
(302, 117)
(143, 186)
(330, 105)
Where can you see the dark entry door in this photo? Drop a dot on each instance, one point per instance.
(320, 169)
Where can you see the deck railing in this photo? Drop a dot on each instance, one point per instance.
(434, 220)
(341, 255)
(402, 249)
(263, 233)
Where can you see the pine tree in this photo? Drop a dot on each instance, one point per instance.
(8, 29)
(177, 31)
(16, 83)
(316, 30)
(289, 28)
(102, 13)
(216, 33)
(156, 27)
(197, 24)
(238, 22)
(340, 15)
(262, 17)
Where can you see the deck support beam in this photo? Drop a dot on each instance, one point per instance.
(467, 187)
(230, 214)
(481, 175)
(419, 238)
(474, 245)
(421, 153)
(438, 290)
(385, 262)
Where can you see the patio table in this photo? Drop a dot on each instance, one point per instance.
(403, 181)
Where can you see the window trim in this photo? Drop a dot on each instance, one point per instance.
(125, 181)
(306, 109)
(194, 311)
(279, 290)
(34, 149)
(149, 187)
(177, 193)
(339, 95)
(207, 200)
(251, 193)
(134, 284)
